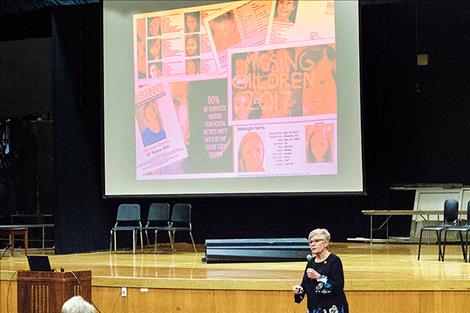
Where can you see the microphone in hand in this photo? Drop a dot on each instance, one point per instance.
(312, 274)
(309, 257)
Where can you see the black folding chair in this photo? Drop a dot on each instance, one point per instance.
(158, 219)
(451, 213)
(127, 219)
(181, 221)
(460, 230)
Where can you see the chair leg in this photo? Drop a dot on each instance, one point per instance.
(111, 241)
(464, 253)
(466, 247)
(438, 234)
(192, 240)
(141, 241)
(156, 232)
(444, 245)
(147, 237)
(173, 246)
(115, 242)
(419, 245)
(134, 241)
(172, 241)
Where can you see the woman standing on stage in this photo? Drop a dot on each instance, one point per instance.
(323, 280)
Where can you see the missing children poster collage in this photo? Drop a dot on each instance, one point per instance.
(237, 89)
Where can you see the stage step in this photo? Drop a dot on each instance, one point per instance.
(256, 250)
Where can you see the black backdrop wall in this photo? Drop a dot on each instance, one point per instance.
(414, 126)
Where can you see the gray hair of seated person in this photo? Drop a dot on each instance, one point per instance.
(77, 305)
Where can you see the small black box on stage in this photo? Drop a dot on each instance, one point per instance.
(256, 250)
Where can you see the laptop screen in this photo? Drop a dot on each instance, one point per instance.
(39, 263)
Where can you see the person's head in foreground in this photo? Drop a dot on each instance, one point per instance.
(77, 305)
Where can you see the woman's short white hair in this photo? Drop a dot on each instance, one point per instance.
(320, 232)
(77, 305)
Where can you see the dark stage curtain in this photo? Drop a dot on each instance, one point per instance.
(21, 6)
(401, 105)
(81, 222)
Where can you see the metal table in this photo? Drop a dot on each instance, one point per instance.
(28, 226)
(389, 213)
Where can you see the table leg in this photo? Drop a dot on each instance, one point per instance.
(26, 242)
(12, 243)
(388, 217)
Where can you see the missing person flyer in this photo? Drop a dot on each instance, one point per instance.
(243, 24)
(172, 43)
(292, 21)
(158, 138)
(278, 83)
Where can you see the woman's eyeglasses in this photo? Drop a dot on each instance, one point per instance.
(315, 240)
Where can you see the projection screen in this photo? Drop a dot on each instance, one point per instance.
(239, 97)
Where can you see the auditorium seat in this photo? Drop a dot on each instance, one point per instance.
(451, 213)
(127, 219)
(460, 230)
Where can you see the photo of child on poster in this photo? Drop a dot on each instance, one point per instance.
(152, 127)
(141, 49)
(192, 22)
(225, 31)
(285, 11)
(319, 140)
(251, 153)
(154, 26)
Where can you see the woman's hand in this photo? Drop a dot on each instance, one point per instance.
(297, 289)
(312, 274)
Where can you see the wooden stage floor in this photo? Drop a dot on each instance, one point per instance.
(378, 269)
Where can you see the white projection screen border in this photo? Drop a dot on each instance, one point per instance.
(245, 97)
